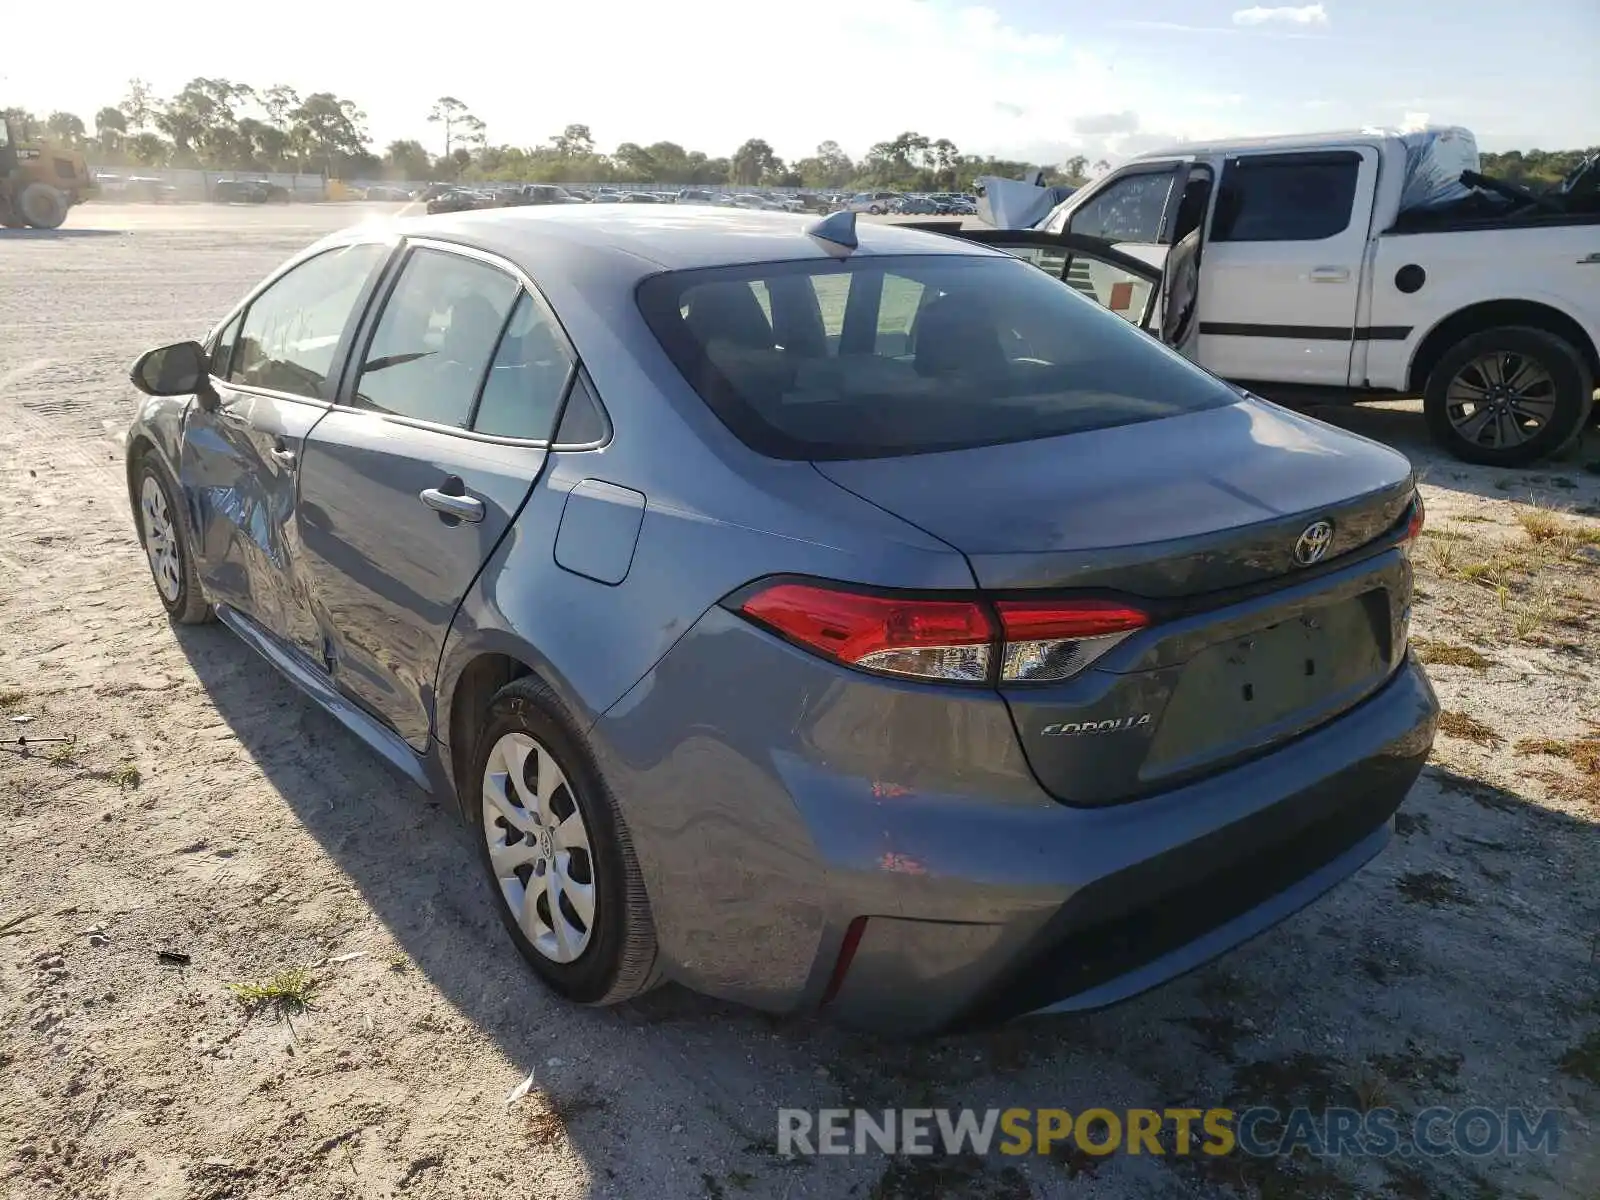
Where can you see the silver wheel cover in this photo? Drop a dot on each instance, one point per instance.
(539, 847)
(160, 539)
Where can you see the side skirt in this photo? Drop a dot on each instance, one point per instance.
(389, 746)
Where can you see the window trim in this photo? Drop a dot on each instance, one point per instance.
(1085, 196)
(341, 351)
(1306, 158)
(368, 328)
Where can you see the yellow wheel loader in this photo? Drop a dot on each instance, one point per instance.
(38, 184)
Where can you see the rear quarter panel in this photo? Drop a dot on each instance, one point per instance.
(1542, 264)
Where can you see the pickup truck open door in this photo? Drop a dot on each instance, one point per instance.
(1160, 300)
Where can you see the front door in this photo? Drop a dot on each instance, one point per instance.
(1282, 278)
(270, 369)
(1128, 286)
(408, 484)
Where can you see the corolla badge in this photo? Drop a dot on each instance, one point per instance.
(1074, 728)
(1313, 543)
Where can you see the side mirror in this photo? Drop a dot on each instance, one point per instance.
(182, 369)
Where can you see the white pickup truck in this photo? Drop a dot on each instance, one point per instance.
(1359, 263)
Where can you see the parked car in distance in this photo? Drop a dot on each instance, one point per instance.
(386, 192)
(248, 191)
(455, 200)
(873, 202)
(694, 196)
(607, 196)
(641, 198)
(536, 193)
(1127, 687)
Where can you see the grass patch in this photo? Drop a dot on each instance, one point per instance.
(11, 697)
(290, 991)
(1460, 725)
(1450, 655)
(1445, 535)
(62, 755)
(1433, 888)
(1583, 1060)
(1473, 519)
(1540, 524)
(1441, 556)
(1582, 752)
(126, 776)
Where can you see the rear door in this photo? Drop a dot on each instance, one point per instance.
(1282, 276)
(271, 368)
(411, 480)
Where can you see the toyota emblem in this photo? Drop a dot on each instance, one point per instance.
(1312, 545)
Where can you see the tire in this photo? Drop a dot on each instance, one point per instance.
(177, 582)
(875, 211)
(617, 958)
(1563, 395)
(42, 206)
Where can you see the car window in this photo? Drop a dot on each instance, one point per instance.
(439, 327)
(527, 378)
(583, 423)
(968, 351)
(1129, 210)
(222, 350)
(1286, 198)
(292, 330)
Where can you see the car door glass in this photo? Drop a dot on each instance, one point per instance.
(292, 330)
(1288, 198)
(583, 423)
(439, 327)
(222, 350)
(897, 311)
(527, 378)
(1129, 210)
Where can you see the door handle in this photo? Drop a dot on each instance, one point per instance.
(283, 456)
(1330, 274)
(462, 507)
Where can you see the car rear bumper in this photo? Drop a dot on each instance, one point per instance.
(914, 845)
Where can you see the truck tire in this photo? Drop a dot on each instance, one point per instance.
(42, 206)
(1508, 397)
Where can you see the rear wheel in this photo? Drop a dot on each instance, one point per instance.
(557, 852)
(42, 206)
(1508, 397)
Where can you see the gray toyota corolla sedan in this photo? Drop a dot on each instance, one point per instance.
(820, 617)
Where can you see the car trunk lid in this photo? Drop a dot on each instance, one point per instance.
(1196, 518)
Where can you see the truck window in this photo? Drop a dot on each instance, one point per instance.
(1128, 210)
(1286, 197)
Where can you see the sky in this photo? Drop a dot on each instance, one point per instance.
(1037, 80)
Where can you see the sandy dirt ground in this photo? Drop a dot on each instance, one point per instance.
(203, 808)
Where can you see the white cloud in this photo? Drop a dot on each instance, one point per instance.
(1310, 14)
(1101, 124)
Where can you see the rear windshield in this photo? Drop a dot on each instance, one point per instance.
(875, 356)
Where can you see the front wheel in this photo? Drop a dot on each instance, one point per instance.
(557, 852)
(1508, 397)
(42, 206)
(166, 546)
(875, 211)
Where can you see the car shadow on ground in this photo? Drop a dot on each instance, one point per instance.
(414, 863)
(1572, 480)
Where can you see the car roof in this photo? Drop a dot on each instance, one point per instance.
(663, 238)
(1296, 141)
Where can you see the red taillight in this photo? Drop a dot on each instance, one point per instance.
(929, 639)
(1414, 519)
(952, 640)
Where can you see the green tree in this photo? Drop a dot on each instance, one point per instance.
(66, 128)
(139, 105)
(150, 149)
(329, 129)
(407, 159)
(754, 161)
(110, 130)
(458, 122)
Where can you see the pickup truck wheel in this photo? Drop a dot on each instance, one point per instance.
(1508, 397)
